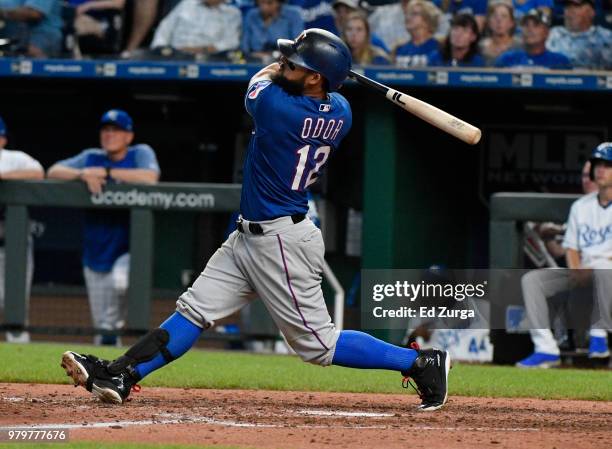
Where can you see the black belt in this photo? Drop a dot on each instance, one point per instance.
(255, 228)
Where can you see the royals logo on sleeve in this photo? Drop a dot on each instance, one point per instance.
(258, 87)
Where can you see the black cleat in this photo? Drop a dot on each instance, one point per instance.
(91, 373)
(430, 373)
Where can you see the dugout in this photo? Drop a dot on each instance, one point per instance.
(423, 196)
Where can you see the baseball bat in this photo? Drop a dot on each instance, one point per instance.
(437, 117)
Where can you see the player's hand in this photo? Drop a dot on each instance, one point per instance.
(549, 230)
(94, 177)
(580, 277)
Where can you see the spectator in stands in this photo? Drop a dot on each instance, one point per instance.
(500, 26)
(271, 20)
(344, 8)
(587, 45)
(106, 239)
(388, 22)
(421, 22)
(357, 37)
(98, 25)
(317, 14)
(15, 165)
(461, 47)
(535, 25)
(589, 259)
(36, 25)
(202, 27)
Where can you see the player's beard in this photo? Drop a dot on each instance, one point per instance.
(290, 86)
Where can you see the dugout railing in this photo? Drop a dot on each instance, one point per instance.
(16, 197)
(508, 210)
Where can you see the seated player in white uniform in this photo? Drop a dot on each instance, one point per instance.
(588, 244)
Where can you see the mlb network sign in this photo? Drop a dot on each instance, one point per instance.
(540, 159)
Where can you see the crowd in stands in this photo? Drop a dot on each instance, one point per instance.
(552, 34)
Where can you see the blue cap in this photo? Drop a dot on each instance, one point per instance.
(118, 118)
(602, 152)
(2, 127)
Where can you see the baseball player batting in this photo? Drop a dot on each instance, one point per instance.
(277, 252)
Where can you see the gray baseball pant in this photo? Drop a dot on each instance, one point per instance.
(539, 285)
(282, 267)
(106, 292)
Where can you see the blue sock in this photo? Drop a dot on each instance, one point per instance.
(183, 335)
(360, 350)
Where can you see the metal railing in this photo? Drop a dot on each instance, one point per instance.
(508, 210)
(141, 201)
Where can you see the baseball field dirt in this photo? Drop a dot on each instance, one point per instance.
(280, 420)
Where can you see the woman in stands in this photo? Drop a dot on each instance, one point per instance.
(461, 47)
(500, 28)
(357, 37)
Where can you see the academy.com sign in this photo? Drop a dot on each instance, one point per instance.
(163, 200)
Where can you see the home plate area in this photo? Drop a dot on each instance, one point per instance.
(275, 419)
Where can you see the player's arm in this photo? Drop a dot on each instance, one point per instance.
(23, 174)
(66, 173)
(146, 170)
(75, 168)
(266, 73)
(57, 171)
(25, 167)
(572, 257)
(570, 240)
(135, 175)
(579, 275)
(93, 177)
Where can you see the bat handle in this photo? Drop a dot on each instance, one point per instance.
(368, 82)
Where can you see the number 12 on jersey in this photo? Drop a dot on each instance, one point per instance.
(320, 157)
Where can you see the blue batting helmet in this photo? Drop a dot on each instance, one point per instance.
(319, 51)
(603, 152)
(2, 128)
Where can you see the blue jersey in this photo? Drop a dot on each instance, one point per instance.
(317, 14)
(435, 59)
(520, 58)
(107, 232)
(411, 55)
(293, 139)
(474, 7)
